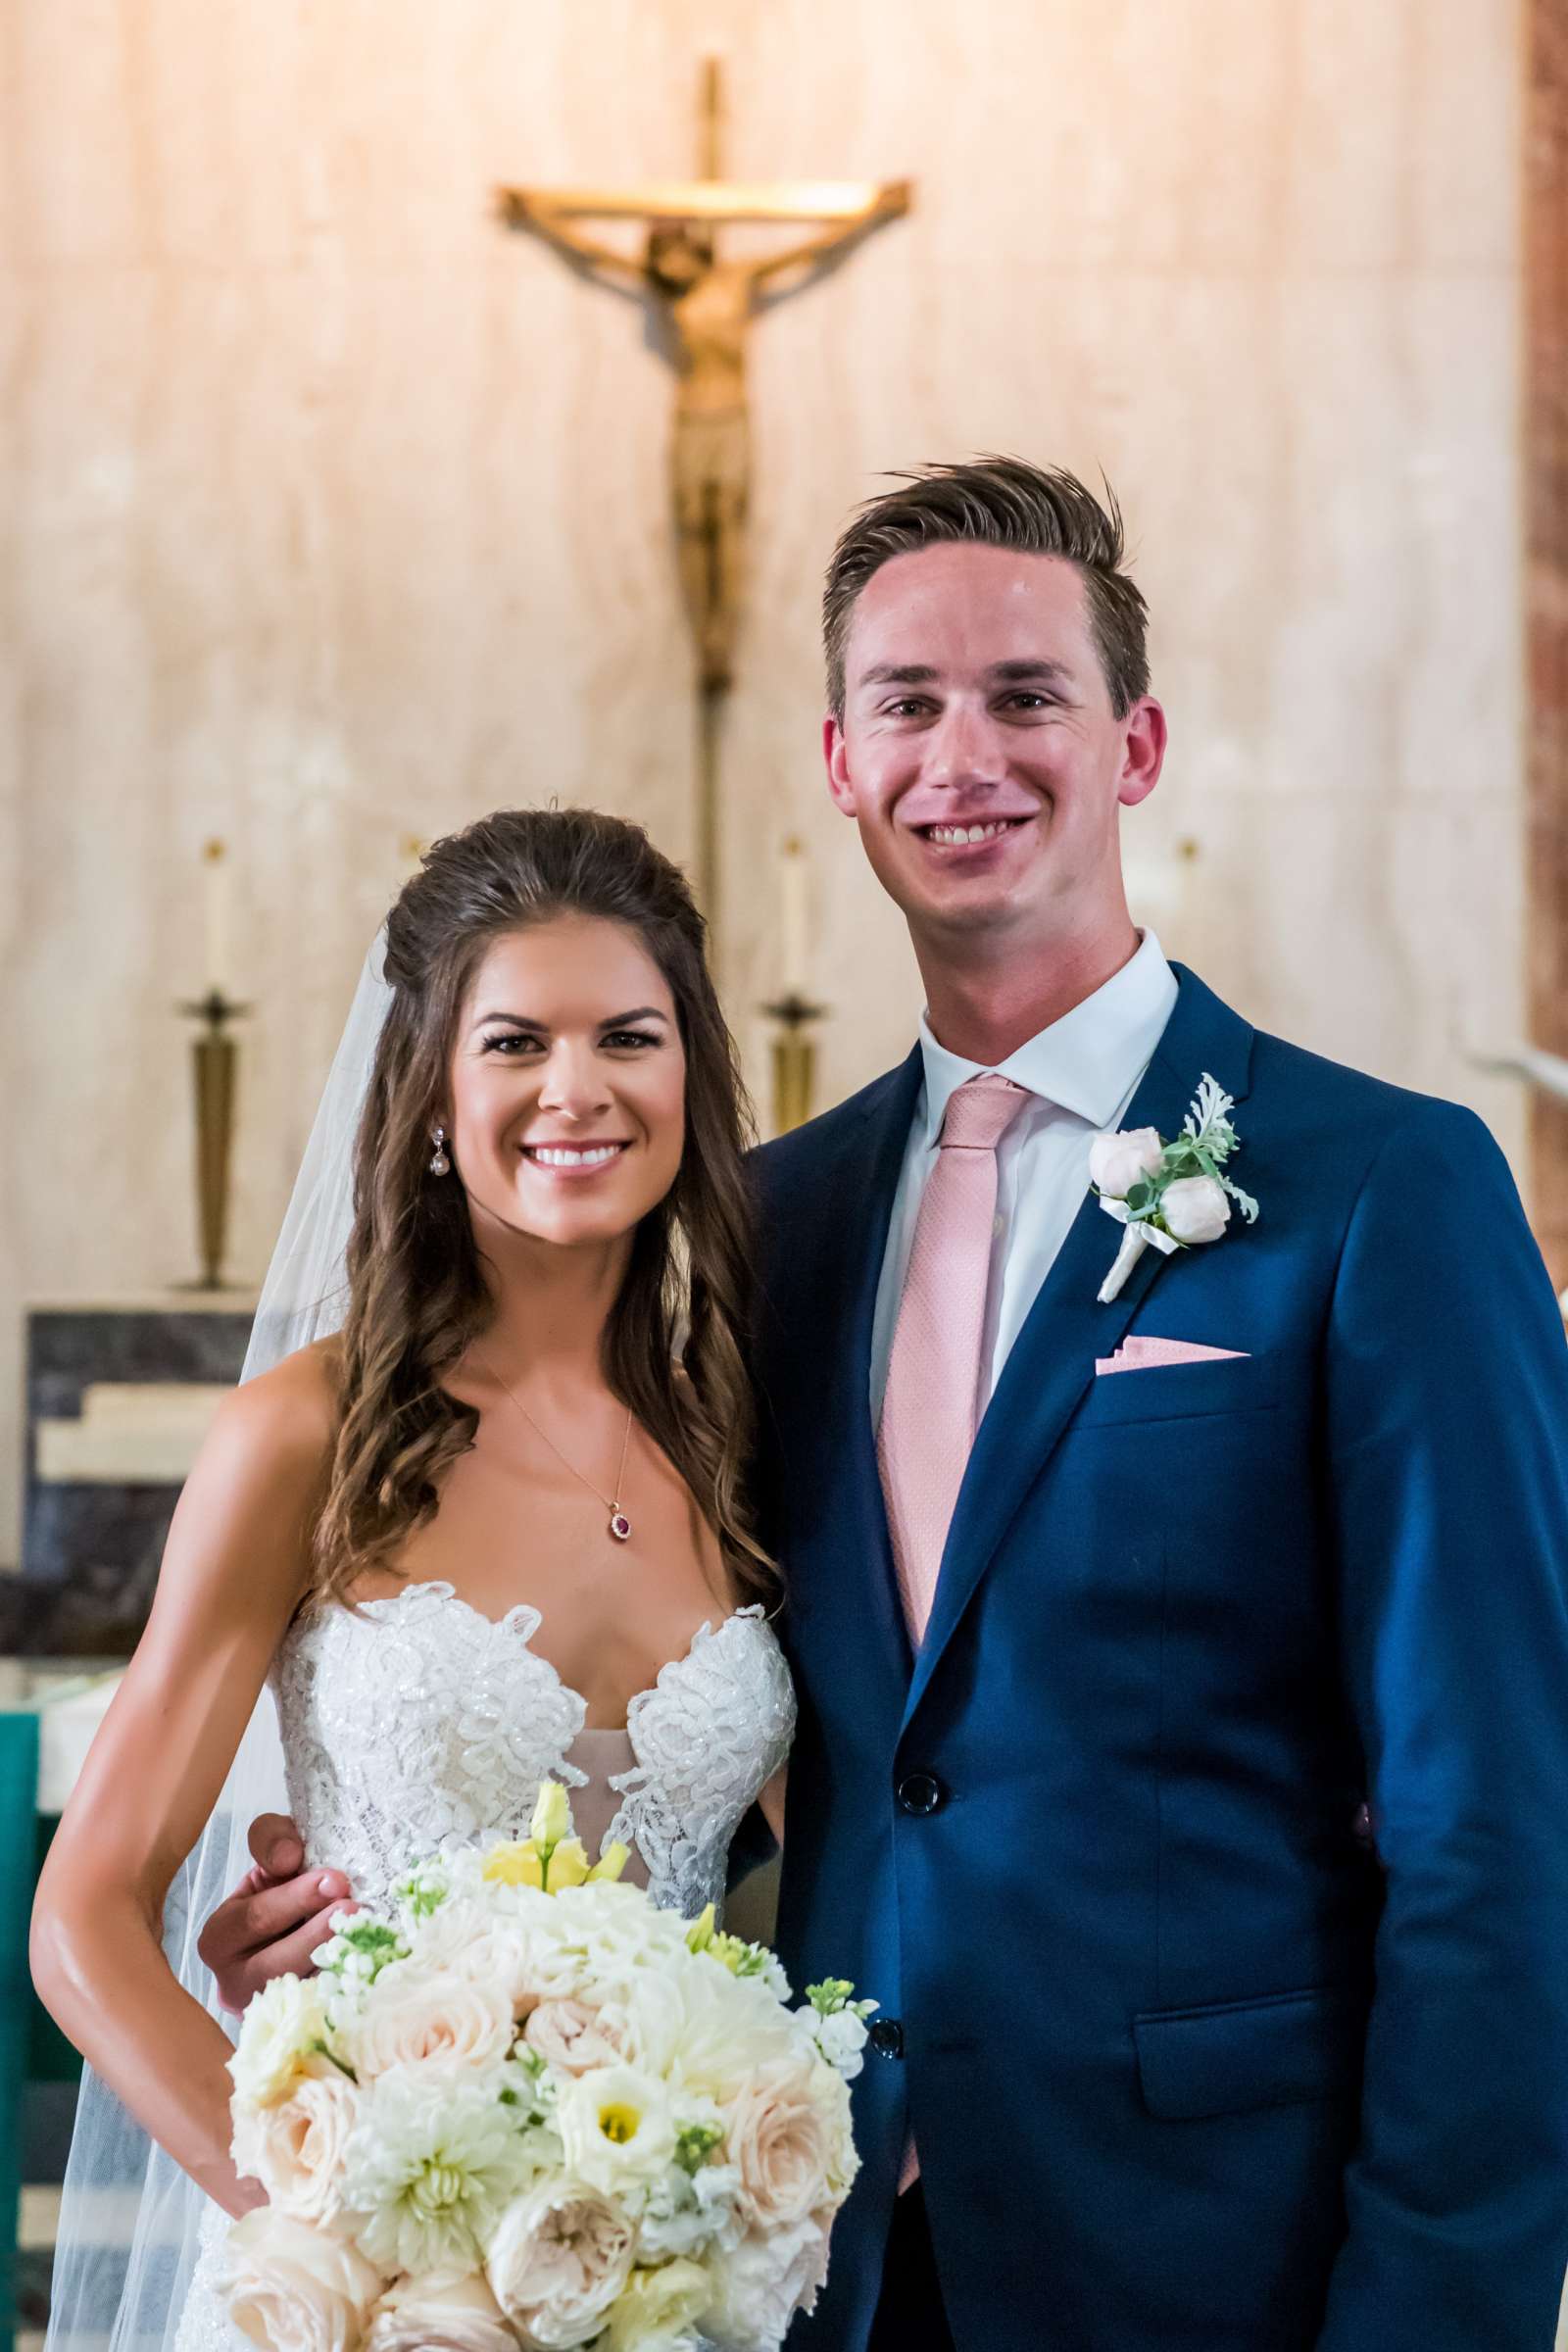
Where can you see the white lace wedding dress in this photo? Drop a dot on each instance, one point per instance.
(417, 1721)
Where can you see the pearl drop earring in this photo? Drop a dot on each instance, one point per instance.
(440, 1165)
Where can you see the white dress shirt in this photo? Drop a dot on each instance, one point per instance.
(1081, 1073)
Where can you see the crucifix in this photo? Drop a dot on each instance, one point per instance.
(706, 304)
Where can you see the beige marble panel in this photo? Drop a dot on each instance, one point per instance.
(334, 515)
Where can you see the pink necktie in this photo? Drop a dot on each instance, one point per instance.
(929, 1406)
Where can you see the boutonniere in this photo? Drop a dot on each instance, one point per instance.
(1168, 1196)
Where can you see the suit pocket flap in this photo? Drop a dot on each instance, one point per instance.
(1236, 1383)
(1248, 2054)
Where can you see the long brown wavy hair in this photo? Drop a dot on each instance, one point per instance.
(418, 1292)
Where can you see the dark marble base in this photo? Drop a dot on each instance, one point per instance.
(90, 1551)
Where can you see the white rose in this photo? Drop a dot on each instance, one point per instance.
(646, 2017)
(659, 2308)
(424, 2315)
(281, 2031)
(558, 2259)
(1195, 1208)
(760, 2285)
(784, 2142)
(291, 2288)
(295, 2148)
(413, 2015)
(616, 2126)
(573, 2037)
(730, 2025)
(1117, 1161)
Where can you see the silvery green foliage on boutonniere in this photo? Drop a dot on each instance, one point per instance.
(1171, 1195)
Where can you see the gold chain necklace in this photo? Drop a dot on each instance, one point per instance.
(619, 1524)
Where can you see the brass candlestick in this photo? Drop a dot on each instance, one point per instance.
(794, 1060)
(215, 1062)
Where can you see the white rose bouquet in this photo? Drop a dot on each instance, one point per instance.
(518, 2105)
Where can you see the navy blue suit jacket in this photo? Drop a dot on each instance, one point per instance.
(1191, 2066)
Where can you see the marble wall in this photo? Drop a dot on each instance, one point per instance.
(333, 514)
(1547, 573)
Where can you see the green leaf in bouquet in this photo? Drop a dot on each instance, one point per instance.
(1141, 1196)
(695, 2144)
(700, 1934)
(423, 1890)
(370, 1943)
(324, 2049)
(831, 1996)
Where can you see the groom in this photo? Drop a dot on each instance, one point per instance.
(1108, 1620)
(1183, 1760)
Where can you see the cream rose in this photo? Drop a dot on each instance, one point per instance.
(1117, 1161)
(558, 2257)
(424, 2315)
(292, 2288)
(281, 2031)
(1195, 1208)
(573, 2037)
(760, 2285)
(660, 2307)
(295, 2150)
(783, 2141)
(516, 1948)
(415, 2016)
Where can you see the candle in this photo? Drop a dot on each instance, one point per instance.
(791, 911)
(216, 915)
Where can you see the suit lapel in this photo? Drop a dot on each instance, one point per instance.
(1052, 1360)
(856, 1592)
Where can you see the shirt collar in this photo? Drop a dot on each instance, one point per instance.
(1088, 1062)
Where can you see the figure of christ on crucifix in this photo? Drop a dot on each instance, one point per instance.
(706, 303)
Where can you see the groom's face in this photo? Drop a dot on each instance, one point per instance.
(979, 753)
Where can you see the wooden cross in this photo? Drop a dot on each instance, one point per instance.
(707, 304)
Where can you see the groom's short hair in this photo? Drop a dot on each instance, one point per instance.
(997, 501)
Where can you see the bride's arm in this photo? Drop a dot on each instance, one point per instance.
(235, 1566)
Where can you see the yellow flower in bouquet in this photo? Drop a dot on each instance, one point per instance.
(548, 1858)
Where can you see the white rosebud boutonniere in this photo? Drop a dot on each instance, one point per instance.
(1172, 1196)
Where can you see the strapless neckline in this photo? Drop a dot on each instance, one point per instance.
(524, 1620)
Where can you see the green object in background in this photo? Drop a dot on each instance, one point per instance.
(18, 1832)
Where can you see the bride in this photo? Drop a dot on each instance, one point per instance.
(490, 1529)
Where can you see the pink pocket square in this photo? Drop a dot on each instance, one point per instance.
(1148, 1355)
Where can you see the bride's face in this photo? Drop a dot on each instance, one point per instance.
(567, 1084)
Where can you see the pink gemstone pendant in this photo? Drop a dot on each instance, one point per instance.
(621, 1527)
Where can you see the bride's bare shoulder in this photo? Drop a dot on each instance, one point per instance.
(289, 1413)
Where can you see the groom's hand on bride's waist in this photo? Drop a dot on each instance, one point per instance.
(277, 1918)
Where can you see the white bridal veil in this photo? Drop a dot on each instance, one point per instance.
(130, 2218)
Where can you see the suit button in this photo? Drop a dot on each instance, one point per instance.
(886, 2038)
(922, 1793)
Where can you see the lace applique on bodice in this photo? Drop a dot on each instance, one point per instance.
(418, 1722)
(415, 1722)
